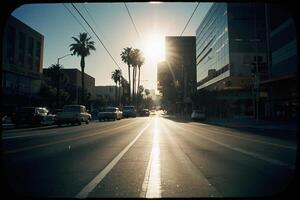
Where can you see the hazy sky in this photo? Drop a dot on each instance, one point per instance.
(114, 27)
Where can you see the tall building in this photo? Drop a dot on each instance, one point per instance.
(282, 92)
(73, 83)
(231, 48)
(177, 75)
(22, 54)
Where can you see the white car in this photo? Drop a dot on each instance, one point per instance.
(72, 114)
(110, 113)
(198, 115)
(48, 119)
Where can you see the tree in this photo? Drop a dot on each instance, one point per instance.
(82, 47)
(147, 92)
(116, 77)
(126, 56)
(137, 61)
(55, 76)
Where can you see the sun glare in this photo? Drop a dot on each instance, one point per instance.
(154, 48)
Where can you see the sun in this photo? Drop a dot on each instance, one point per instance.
(154, 48)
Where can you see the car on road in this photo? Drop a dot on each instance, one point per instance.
(108, 113)
(29, 116)
(72, 114)
(129, 111)
(49, 119)
(198, 115)
(144, 113)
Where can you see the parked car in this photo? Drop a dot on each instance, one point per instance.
(110, 113)
(29, 116)
(129, 111)
(145, 112)
(72, 114)
(198, 115)
(49, 119)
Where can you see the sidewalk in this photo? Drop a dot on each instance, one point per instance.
(254, 124)
(245, 123)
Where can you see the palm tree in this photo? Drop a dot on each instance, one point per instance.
(55, 75)
(116, 77)
(138, 61)
(82, 47)
(126, 56)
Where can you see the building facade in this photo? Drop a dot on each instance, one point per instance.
(22, 54)
(231, 48)
(177, 74)
(282, 88)
(72, 83)
(108, 93)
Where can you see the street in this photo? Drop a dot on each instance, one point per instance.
(146, 157)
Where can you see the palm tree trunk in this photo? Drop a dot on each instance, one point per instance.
(82, 65)
(139, 77)
(129, 92)
(116, 93)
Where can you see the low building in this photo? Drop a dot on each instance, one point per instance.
(22, 62)
(72, 83)
(108, 93)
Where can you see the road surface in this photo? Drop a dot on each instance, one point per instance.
(145, 157)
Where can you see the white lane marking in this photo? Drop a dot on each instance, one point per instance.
(247, 138)
(91, 185)
(195, 174)
(255, 155)
(153, 187)
(67, 140)
(68, 131)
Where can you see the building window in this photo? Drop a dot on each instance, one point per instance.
(11, 39)
(22, 42)
(30, 53)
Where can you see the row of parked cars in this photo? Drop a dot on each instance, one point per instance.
(71, 114)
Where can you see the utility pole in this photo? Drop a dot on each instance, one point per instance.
(58, 74)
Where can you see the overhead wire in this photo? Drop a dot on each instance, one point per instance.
(76, 19)
(132, 20)
(189, 19)
(95, 35)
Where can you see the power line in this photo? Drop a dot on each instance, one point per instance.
(96, 35)
(76, 19)
(91, 17)
(190, 19)
(132, 20)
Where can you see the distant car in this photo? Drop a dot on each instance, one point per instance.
(129, 111)
(145, 112)
(110, 113)
(29, 115)
(72, 114)
(198, 115)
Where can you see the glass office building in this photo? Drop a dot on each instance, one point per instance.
(230, 42)
(231, 54)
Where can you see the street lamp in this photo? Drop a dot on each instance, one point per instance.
(63, 57)
(59, 76)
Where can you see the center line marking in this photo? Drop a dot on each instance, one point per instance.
(91, 186)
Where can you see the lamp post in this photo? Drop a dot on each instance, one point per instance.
(58, 74)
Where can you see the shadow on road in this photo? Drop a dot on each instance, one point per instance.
(276, 133)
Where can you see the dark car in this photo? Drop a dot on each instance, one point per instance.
(29, 115)
(129, 111)
(145, 112)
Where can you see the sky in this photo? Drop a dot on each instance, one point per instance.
(113, 25)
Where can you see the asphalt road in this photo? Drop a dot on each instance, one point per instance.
(145, 157)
